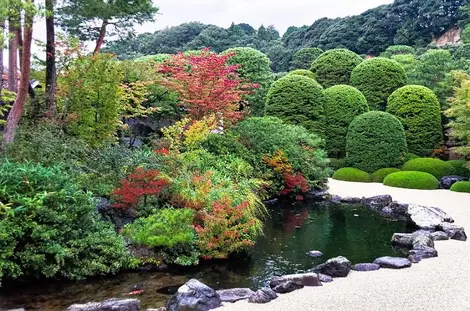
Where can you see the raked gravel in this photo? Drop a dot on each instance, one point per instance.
(436, 284)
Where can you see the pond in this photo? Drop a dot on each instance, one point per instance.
(290, 232)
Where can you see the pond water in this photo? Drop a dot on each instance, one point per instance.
(290, 232)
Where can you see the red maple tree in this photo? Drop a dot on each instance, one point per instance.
(206, 84)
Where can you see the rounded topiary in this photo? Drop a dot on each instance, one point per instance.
(335, 66)
(351, 174)
(461, 168)
(297, 100)
(343, 103)
(418, 109)
(377, 78)
(435, 167)
(461, 186)
(375, 140)
(411, 156)
(256, 68)
(379, 175)
(412, 180)
(303, 72)
(304, 58)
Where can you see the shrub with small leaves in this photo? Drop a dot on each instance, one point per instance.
(351, 174)
(412, 180)
(304, 58)
(379, 175)
(435, 167)
(461, 186)
(461, 167)
(303, 72)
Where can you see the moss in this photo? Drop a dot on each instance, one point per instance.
(351, 174)
(461, 186)
(435, 167)
(379, 175)
(461, 168)
(412, 180)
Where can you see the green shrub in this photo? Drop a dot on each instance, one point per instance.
(304, 58)
(170, 232)
(375, 140)
(461, 168)
(255, 67)
(377, 79)
(351, 174)
(343, 103)
(297, 100)
(411, 156)
(379, 175)
(412, 180)
(335, 66)
(303, 72)
(50, 228)
(435, 167)
(461, 186)
(397, 50)
(336, 164)
(418, 109)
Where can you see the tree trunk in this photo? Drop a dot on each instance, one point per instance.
(51, 72)
(2, 35)
(100, 40)
(20, 44)
(18, 107)
(13, 55)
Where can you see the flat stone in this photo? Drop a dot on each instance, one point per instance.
(366, 267)
(403, 239)
(235, 294)
(446, 182)
(423, 252)
(263, 295)
(334, 267)
(194, 296)
(455, 232)
(427, 217)
(287, 287)
(393, 262)
(378, 202)
(315, 254)
(108, 305)
(351, 200)
(423, 238)
(336, 199)
(325, 278)
(304, 279)
(439, 236)
(20, 309)
(414, 258)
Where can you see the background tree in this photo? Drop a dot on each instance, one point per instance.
(304, 58)
(51, 71)
(335, 66)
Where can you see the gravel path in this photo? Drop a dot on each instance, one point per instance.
(440, 284)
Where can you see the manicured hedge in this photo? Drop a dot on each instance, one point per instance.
(435, 167)
(460, 167)
(418, 109)
(335, 66)
(411, 156)
(351, 174)
(412, 180)
(379, 175)
(303, 72)
(461, 186)
(297, 100)
(304, 58)
(375, 140)
(377, 78)
(343, 104)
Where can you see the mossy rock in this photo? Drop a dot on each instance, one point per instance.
(379, 175)
(351, 174)
(412, 180)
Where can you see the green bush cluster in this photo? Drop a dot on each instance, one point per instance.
(461, 167)
(411, 156)
(375, 140)
(304, 58)
(336, 164)
(351, 174)
(412, 180)
(418, 109)
(397, 50)
(297, 100)
(379, 175)
(435, 167)
(334, 67)
(343, 103)
(303, 72)
(461, 186)
(377, 79)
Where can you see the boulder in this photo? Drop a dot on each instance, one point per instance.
(108, 305)
(423, 252)
(427, 217)
(446, 182)
(263, 295)
(377, 203)
(336, 199)
(234, 294)
(414, 259)
(439, 236)
(398, 210)
(454, 232)
(423, 238)
(317, 194)
(366, 267)
(315, 254)
(334, 267)
(325, 278)
(403, 239)
(287, 287)
(393, 262)
(194, 296)
(159, 309)
(304, 279)
(351, 200)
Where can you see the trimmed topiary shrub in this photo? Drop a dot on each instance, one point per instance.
(351, 174)
(343, 103)
(379, 175)
(297, 100)
(255, 67)
(461, 186)
(335, 66)
(304, 58)
(375, 140)
(397, 50)
(460, 167)
(377, 78)
(418, 109)
(303, 72)
(411, 156)
(435, 167)
(412, 180)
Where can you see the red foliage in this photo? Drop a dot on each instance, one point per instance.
(164, 151)
(293, 183)
(139, 184)
(206, 84)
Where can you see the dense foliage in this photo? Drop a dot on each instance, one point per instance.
(297, 100)
(377, 78)
(435, 167)
(304, 58)
(461, 186)
(303, 72)
(379, 175)
(460, 167)
(375, 140)
(343, 103)
(419, 111)
(335, 66)
(397, 50)
(412, 180)
(351, 174)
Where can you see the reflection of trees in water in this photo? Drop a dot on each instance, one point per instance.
(293, 219)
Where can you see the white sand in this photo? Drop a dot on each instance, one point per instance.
(440, 284)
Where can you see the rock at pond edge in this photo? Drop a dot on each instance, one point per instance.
(325, 278)
(304, 279)
(110, 304)
(455, 232)
(287, 287)
(234, 294)
(365, 267)
(315, 254)
(194, 296)
(263, 295)
(393, 262)
(334, 267)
